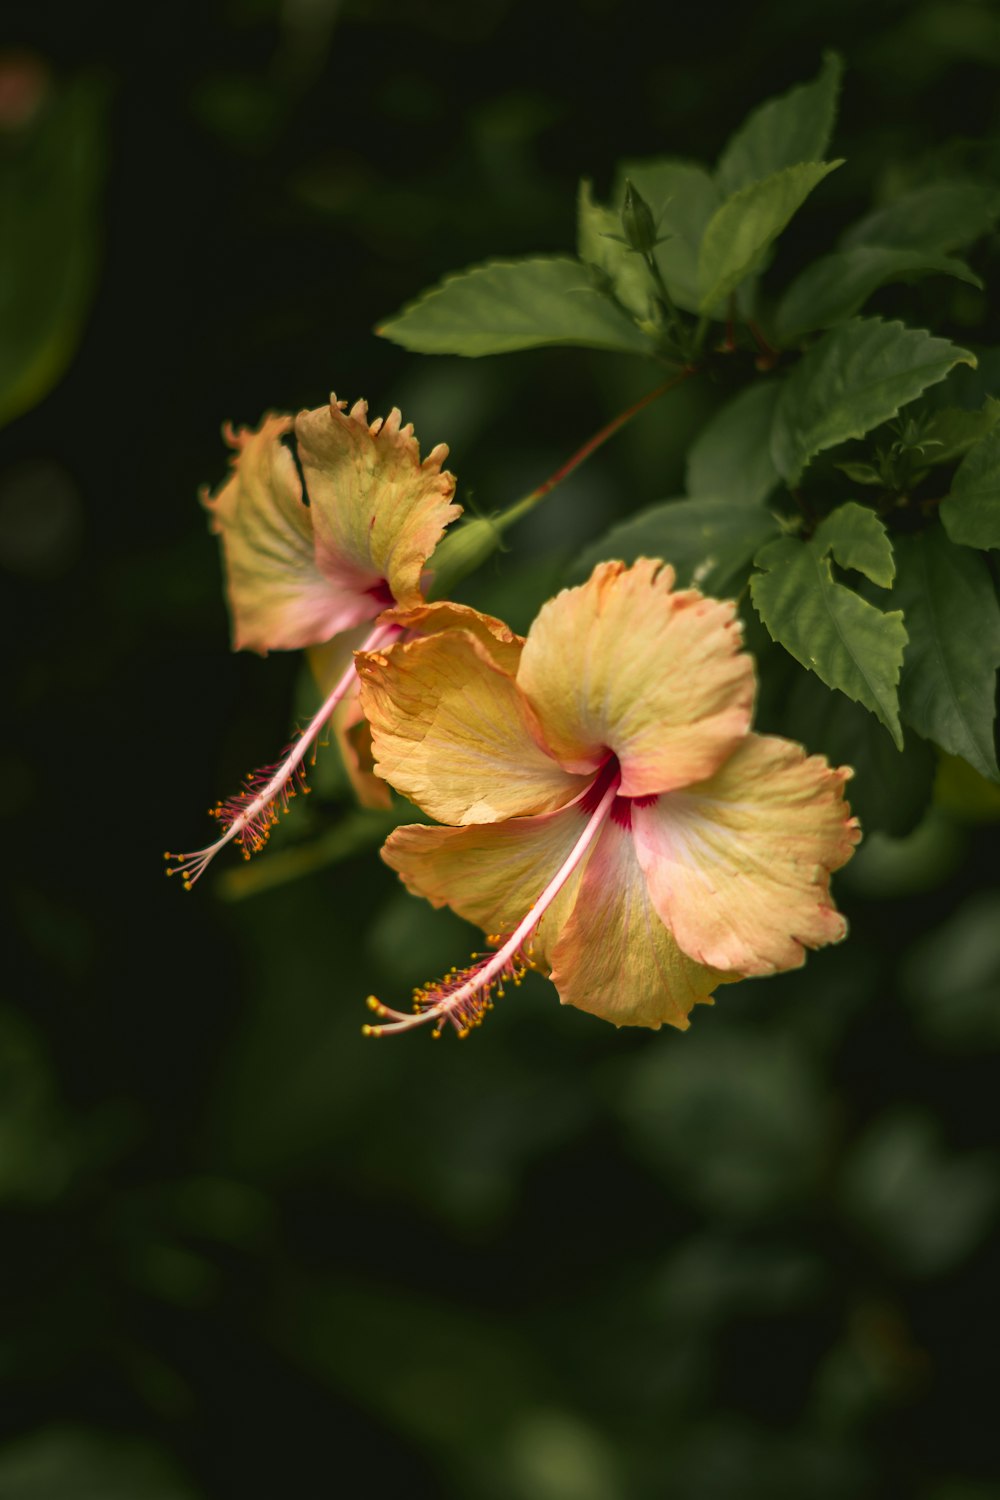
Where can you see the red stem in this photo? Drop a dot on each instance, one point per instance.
(612, 427)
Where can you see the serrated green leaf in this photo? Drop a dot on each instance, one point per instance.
(627, 274)
(827, 627)
(948, 686)
(743, 229)
(856, 377)
(503, 305)
(939, 216)
(709, 542)
(891, 789)
(837, 286)
(682, 198)
(952, 431)
(970, 512)
(859, 540)
(731, 456)
(794, 127)
(968, 387)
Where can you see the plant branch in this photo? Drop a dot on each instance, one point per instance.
(528, 502)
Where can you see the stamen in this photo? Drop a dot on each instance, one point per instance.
(248, 817)
(464, 996)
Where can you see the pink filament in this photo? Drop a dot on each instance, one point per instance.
(252, 813)
(463, 1003)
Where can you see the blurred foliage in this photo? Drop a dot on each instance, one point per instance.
(52, 156)
(245, 1253)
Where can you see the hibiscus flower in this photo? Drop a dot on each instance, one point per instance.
(318, 545)
(611, 818)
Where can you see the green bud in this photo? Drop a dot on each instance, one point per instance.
(461, 552)
(637, 221)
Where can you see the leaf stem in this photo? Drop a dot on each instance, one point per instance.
(675, 322)
(521, 507)
(769, 355)
(701, 332)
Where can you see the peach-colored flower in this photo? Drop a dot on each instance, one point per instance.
(318, 548)
(613, 820)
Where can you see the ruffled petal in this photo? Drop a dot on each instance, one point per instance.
(279, 600)
(614, 957)
(451, 732)
(378, 511)
(503, 646)
(492, 875)
(625, 663)
(738, 867)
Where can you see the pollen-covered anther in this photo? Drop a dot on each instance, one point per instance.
(462, 997)
(248, 817)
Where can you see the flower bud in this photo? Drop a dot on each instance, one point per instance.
(637, 221)
(461, 552)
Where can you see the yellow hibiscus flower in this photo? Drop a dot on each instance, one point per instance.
(612, 819)
(318, 566)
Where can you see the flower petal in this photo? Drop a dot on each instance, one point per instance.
(451, 732)
(378, 511)
(614, 957)
(278, 598)
(738, 867)
(354, 740)
(327, 664)
(492, 875)
(503, 646)
(625, 663)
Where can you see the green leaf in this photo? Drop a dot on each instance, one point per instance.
(856, 377)
(742, 230)
(731, 456)
(859, 540)
(891, 789)
(709, 542)
(938, 217)
(968, 387)
(682, 198)
(837, 286)
(970, 513)
(505, 305)
(50, 184)
(861, 473)
(626, 272)
(952, 431)
(827, 627)
(948, 687)
(795, 127)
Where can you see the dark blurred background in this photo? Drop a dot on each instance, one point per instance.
(244, 1252)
